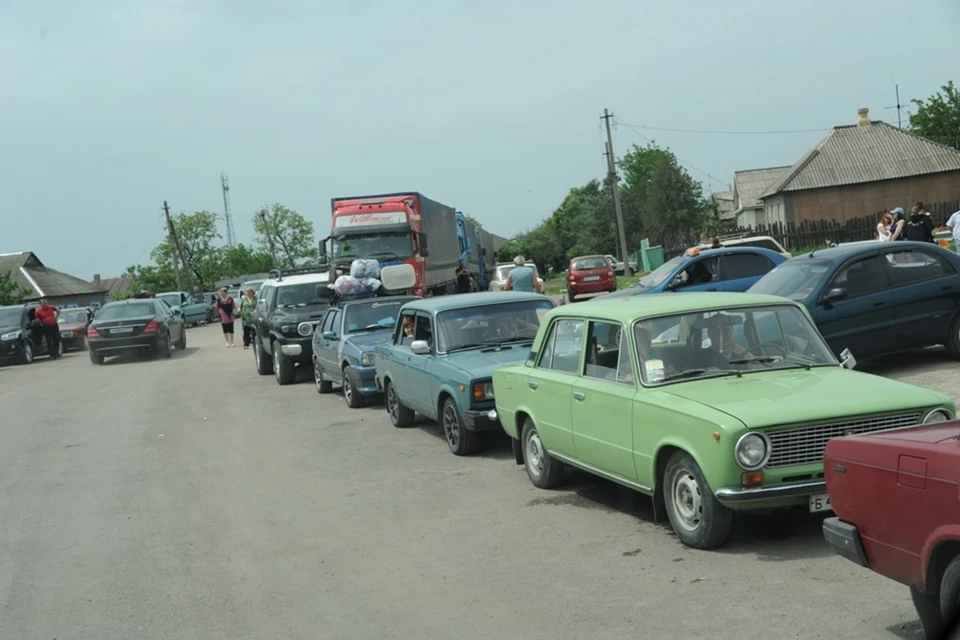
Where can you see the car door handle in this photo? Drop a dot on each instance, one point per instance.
(533, 384)
(946, 287)
(578, 396)
(878, 303)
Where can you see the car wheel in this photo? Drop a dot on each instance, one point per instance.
(928, 610)
(323, 386)
(544, 471)
(167, 349)
(263, 362)
(697, 517)
(96, 358)
(283, 367)
(953, 339)
(571, 296)
(27, 356)
(400, 416)
(182, 343)
(60, 349)
(461, 441)
(950, 592)
(354, 399)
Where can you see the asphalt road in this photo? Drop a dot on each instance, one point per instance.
(192, 498)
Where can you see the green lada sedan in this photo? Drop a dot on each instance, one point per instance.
(711, 403)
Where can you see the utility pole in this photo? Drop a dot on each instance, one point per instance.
(898, 107)
(266, 231)
(612, 173)
(176, 253)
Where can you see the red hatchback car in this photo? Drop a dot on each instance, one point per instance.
(895, 495)
(590, 274)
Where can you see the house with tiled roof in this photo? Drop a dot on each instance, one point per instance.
(859, 170)
(747, 187)
(41, 281)
(724, 203)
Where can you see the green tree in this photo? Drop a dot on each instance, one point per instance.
(291, 233)
(938, 117)
(242, 259)
(153, 278)
(197, 235)
(10, 291)
(674, 208)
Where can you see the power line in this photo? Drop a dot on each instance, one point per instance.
(680, 160)
(726, 133)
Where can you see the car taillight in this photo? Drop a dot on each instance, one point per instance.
(151, 327)
(92, 332)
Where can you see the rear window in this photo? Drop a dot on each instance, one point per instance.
(126, 311)
(585, 264)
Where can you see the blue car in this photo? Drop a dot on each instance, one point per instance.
(876, 298)
(731, 269)
(441, 359)
(344, 341)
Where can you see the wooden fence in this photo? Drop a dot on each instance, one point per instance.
(811, 234)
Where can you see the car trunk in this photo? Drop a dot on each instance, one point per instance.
(591, 275)
(122, 328)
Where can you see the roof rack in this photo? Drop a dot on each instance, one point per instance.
(278, 274)
(733, 236)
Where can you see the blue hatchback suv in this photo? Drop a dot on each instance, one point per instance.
(731, 269)
(344, 341)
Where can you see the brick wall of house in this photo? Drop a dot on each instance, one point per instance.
(856, 201)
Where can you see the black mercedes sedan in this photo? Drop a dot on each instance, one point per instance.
(144, 325)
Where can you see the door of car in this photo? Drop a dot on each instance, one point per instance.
(420, 384)
(862, 318)
(926, 292)
(739, 271)
(327, 357)
(702, 274)
(549, 384)
(602, 408)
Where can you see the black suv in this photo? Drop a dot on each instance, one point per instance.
(287, 313)
(21, 336)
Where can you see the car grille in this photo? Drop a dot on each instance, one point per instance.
(804, 445)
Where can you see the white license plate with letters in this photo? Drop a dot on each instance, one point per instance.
(590, 278)
(122, 330)
(820, 502)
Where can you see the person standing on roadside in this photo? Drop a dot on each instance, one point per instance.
(954, 225)
(920, 225)
(247, 304)
(48, 314)
(464, 280)
(228, 309)
(522, 277)
(899, 222)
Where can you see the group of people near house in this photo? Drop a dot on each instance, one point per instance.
(918, 226)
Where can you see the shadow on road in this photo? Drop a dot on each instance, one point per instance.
(910, 362)
(133, 357)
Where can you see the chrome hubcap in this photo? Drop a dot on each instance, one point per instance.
(534, 454)
(687, 502)
(392, 406)
(450, 427)
(347, 388)
(276, 362)
(317, 376)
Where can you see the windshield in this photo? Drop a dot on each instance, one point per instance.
(126, 311)
(373, 315)
(734, 341)
(298, 295)
(10, 316)
(794, 279)
(72, 315)
(172, 299)
(585, 264)
(491, 324)
(661, 273)
(389, 246)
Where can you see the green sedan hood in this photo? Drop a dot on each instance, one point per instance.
(795, 396)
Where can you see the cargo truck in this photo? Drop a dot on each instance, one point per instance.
(404, 228)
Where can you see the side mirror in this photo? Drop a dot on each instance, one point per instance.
(420, 347)
(847, 361)
(323, 291)
(424, 248)
(834, 295)
(177, 312)
(483, 252)
(676, 283)
(329, 335)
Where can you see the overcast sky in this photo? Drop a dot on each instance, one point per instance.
(112, 106)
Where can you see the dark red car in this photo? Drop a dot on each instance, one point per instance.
(896, 495)
(590, 274)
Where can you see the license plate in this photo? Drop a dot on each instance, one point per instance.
(820, 502)
(66, 334)
(122, 330)
(590, 278)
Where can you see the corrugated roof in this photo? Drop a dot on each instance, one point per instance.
(725, 204)
(751, 183)
(123, 284)
(27, 271)
(853, 154)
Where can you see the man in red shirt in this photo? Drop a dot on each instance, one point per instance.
(47, 314)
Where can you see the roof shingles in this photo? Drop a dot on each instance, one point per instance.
(854, 154)
(27, 271)
(748, 185)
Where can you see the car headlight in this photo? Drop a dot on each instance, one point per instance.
(482, 391)
(305, 328)
(13, 335)
(288, 328)
(366, 359)
(752, 451)
(937, 415)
